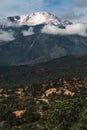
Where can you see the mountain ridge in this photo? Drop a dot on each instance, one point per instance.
(66, 67)
(33, 19)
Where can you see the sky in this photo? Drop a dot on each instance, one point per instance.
(73, 10)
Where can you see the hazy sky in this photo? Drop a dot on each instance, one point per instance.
(74, 10)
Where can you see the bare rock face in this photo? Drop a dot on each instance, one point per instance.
(18, 113)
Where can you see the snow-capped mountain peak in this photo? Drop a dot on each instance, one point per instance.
(33, 19)
(39, 18)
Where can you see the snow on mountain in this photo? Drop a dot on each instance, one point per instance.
(39, 18)
(33, 19)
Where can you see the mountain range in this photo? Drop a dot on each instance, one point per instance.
(39, 37)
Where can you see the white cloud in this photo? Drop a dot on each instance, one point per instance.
(76, 11)
(78, 29)
(28, 32)
(6, 36)
(72, 15)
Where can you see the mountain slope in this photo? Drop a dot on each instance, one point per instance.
(66, 67)
(39, 48)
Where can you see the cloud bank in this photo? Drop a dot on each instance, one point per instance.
(28, 32)
(6, 36)
(73, 29)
